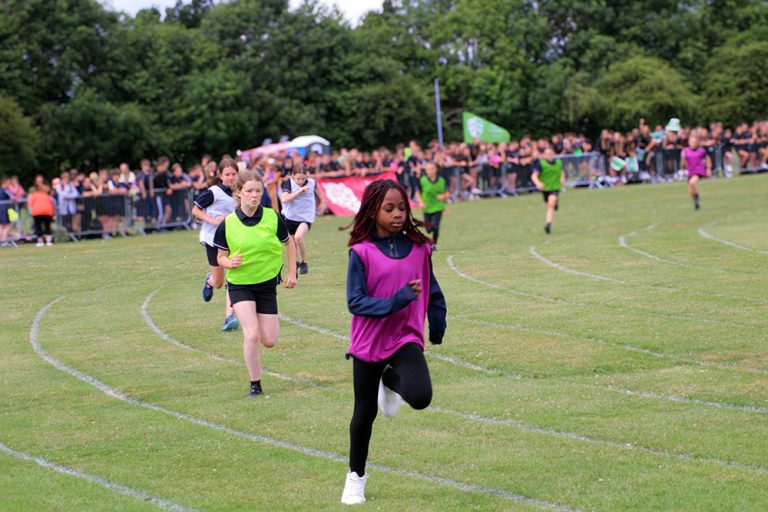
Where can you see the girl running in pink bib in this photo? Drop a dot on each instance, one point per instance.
(391, 291)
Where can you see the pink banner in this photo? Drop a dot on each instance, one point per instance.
(343, 195)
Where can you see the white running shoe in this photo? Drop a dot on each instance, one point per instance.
(389, 401)
(40, 244)
(354, 489)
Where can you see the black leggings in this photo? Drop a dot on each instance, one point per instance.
(407, 375)
(42, 225)
(433, 219)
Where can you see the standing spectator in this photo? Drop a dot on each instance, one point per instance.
(146, 197)
(15, 189)
(671, 145)
(6, 204)
(118, 192)
(162, 191)
(179, 185)
(43, 210)
(511, 159)
(66, 195)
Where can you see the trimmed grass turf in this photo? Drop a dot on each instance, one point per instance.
(565, 348)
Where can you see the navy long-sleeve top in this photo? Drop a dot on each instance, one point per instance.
(361, 304)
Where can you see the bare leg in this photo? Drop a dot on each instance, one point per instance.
(551, 202)
(298, 237)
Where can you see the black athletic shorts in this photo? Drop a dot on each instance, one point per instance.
(546, 194)
(293, 225)
(212, 254)
(263, 294)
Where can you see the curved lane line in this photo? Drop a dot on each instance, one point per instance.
(114, 393)
(653, 313)
(490, 371)
(729, 243)
(148, 320)
(567, 270)
(506, 289)
(601, 442)
(120, 489)
(631, 348)
(525, 426)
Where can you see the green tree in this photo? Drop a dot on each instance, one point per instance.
(19, 141)
(735, 81)
(643, 87)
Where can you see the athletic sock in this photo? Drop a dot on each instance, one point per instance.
(256, 383)
(696, 201)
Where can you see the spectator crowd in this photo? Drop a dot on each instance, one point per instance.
(157, 194)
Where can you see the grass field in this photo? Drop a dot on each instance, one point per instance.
(620, 363)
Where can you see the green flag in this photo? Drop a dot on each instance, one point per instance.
(478, 128)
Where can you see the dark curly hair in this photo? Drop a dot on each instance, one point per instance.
(364, 224)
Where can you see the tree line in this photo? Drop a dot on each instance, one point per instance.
(83, 86)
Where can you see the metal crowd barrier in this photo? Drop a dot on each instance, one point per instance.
(107, 215)
(585, 170)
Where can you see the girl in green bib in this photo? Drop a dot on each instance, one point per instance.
(549, 180)
(250, 246)
(434, 197)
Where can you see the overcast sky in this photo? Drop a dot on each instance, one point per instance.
(353, 9)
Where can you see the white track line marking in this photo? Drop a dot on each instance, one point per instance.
(120, 489)
(453, 360)
(119, 395)
(631, 348)
(567, 270)
(498, 287)
(490, 371)
(728, 243)
(625, 313)
(601, 442)
(571, 435)
(623, 243)
(148, 320)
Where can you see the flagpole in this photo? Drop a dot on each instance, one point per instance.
(439, 116)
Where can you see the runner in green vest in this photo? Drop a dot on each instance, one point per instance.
(550, 179)
(250, 244)
(434, 196)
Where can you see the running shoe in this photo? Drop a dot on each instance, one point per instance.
(388, 401)
(207, 289)
(354, 489)
(303, 268)
(255, 390)
(230, 324)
